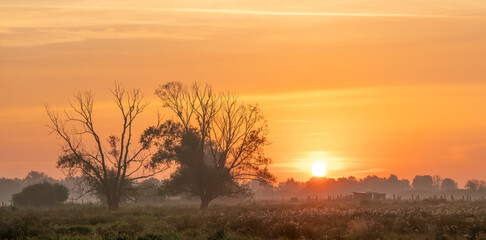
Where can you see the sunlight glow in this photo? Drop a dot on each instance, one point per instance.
(319, 169)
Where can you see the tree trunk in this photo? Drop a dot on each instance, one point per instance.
(204, 203)
(113, 204)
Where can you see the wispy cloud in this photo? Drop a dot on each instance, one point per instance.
(414, 93)
(252, 12)
(321, 14)
(33, 25)
(25, 37)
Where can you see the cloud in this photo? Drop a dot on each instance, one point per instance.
(365, 96)
(37, 24)
(255, 12)
(25, 37)
(311, 14)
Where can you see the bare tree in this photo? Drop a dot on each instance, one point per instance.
(107, 169)
(216, 142)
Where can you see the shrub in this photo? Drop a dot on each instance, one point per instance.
(75, 230)
(41, 194)
(164, 236)
(217, 235)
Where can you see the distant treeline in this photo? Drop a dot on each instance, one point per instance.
(10, 186)
(421, 186)
(149, 190)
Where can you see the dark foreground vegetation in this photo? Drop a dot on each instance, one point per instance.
(427, 219)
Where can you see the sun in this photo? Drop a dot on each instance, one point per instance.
(319, 169)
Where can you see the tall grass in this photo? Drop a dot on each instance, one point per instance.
(271, 220)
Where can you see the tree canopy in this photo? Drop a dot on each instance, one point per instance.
(41, 194)
(216, 142)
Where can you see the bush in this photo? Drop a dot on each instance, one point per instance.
(41, 194)
(75, 230)
(164, 236)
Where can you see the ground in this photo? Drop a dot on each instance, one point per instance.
(334, 219)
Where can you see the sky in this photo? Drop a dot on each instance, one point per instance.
(366, 86)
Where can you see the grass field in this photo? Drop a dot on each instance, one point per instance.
(428, 219)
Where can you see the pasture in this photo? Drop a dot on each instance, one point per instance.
(331, 219)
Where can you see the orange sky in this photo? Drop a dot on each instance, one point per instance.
(370, 87)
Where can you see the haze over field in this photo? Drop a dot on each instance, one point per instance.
(368, 87)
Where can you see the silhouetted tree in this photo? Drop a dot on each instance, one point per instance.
(10, 186)
(475, 185)
(147, 191)
(343, 185)
(216, 143)
(395, 185)
(41, 194)
(423, 182)
(34, 177)
(436, 182)
(106, 170)
(290, 183)
(448, 184)
(372, 182)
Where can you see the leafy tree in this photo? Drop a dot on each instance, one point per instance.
(216, 142)
(475, 185)
(108, 170)
(396, 185)
(423, 182)
(37, 177)
(41, 194)
(448, 184)
(147, 191)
